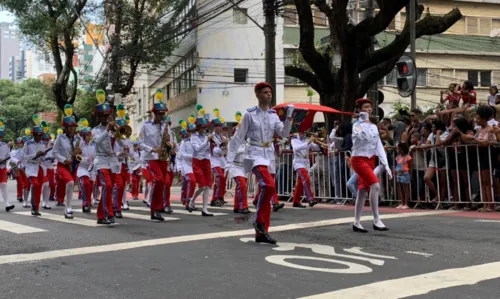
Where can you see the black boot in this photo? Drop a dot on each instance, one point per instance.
(278, 206)
(312, 203)
(259, 228)
(157, 216)
(111, 219)
(20, 199)
(103, 221)
(265, 239)
(298, 205)
(215, 203)
(8, 208)
(86, 210)
(118, 214)
(35, 212)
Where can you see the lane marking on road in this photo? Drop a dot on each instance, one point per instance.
(18, 228)
(420, 253)
(209, 208)
(180, 212)
(60, 218)
(136, 216)
(359, 251)
(417, 285)
(38, 256)
(488, 221)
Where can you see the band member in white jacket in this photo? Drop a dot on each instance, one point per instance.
(238, 174)
(4, 157)
(17, 166)
(124, 150)
(33, 154)
(301, 146)
(135, 165)
(48, 170)
(185, 160)
(85, 173)
(218, 162)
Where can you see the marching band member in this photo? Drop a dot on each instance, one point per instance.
(4, 157)
(301, 147)
(171, 167)
(201, 162)
(47, 164)
(218, 161)
(60, 188)
(156, 143)
(66, 150)
(34, 152)
(185, 157)
(259, 124)
(15, 167)
(148, 178)
(123, 149)
(238, 174)
(135, 165)
(105, 161)
(85, 173)
(366, 147)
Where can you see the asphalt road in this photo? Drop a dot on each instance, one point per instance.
(426, 254)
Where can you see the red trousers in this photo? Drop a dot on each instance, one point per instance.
(36, 183)
(274, 200)
(105, 208)
(64, 176)
(268, 189)
(167, 187)
(22, 183)
(147, 175)
(188, 186)
(3, 175)
(86, 187)
(159, 171)
(219, 184)
(119, 182)
(202, 172)
(240, 196)
(135, 178)
(52, 182)
(303, 184)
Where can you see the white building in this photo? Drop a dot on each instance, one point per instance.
(216, 64)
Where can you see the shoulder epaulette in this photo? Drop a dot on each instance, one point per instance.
(252, 109)
(271, 111)
(30, 142)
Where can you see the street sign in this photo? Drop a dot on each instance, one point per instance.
(406, 76)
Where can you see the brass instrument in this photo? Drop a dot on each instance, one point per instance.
(76, 155)
(166, 146)
(123, 132)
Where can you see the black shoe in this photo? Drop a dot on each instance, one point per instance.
(8, 208)
(245, 211)
(35, 213)
(298, 205)
(157, 216)
(382, 229)
(20, 199)
(312, 203)
(86, 210)
(189, 209)
(126, 208)
(222, 201)
(60, 204)
(145, 202)
(358, 230)
(265, 239)
(52, 199)
(206, 214)
(237, 211)
(103, 221)
(118, 214)
(167, 210)
(278, 206)
(111, 219)
(27, 207)
(215, 203)
(68, 215)
(259, 228)
(46, 208)
(254, 202)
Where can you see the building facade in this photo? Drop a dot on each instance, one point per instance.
(9, 48)
(216, 64)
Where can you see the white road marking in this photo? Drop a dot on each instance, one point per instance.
(136, 216)
(352, 268)
(488, 221)
(420, 253)
(18, 228)
(29, 257)
(60, 218)
(209, 208)
(180, 212)
(358, 250)
(418, 284)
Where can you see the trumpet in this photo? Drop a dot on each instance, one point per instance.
(123, 132)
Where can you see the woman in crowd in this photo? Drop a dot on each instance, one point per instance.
(436, 160)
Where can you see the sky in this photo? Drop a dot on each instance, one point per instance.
(5, 16)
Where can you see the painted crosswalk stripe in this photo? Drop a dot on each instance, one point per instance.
(180, 212)
(18, 228)
(60, 218)
(488, 221)
(138, 216)
(209, 208)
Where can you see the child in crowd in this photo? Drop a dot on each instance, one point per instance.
(352, 183)
(403, 170)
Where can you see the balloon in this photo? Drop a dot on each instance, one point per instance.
(216, 112)
(68, 110)
(238, 116)
(36, 119)
(101, 96)
(59, 131)
(159, 95)
(27, 131)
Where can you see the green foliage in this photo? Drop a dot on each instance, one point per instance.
(84, 106)
(19, 101)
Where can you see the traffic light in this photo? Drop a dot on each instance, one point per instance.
(406, 75)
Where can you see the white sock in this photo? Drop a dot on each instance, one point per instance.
(26, 194)
(360, 203)
(69, 196)
(146, 190)
(374, 193)
(206, 199)
(124, 201)
(45, 194)
(195, 195)
(3, 189)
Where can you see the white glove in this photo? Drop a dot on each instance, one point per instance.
(289, 110)
(363, 116)
(389, 171)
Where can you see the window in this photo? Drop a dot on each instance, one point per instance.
(239, 16)
(240, 75)
(422, 77)
(319, 18)
(289, 16)
(479, 78)
(472, 25)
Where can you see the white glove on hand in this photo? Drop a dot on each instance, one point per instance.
(389, 172)
(363, 116)
(289, 110)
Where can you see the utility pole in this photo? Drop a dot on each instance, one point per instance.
(270, 35)
(373, 92)
(413, 5)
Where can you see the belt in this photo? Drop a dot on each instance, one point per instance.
(301, 157)
(261, 144)
(238, 164)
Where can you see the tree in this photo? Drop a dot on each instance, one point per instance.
(360, 68)
(20, 101)
(53, 26)
(84, 106)
(140, 39)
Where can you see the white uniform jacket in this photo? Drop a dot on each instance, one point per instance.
(237, 166)
(16, 157)
(366, 141)
(120, 147)
(63, 150)
(86, 167)
(201, 146)
(31, 148)
(301, 152)
(259, 127)
(134, 163)
(105, 157)
(185, 156)
(48, 161)
(217, 158)
(152, 135)
(4, 154)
